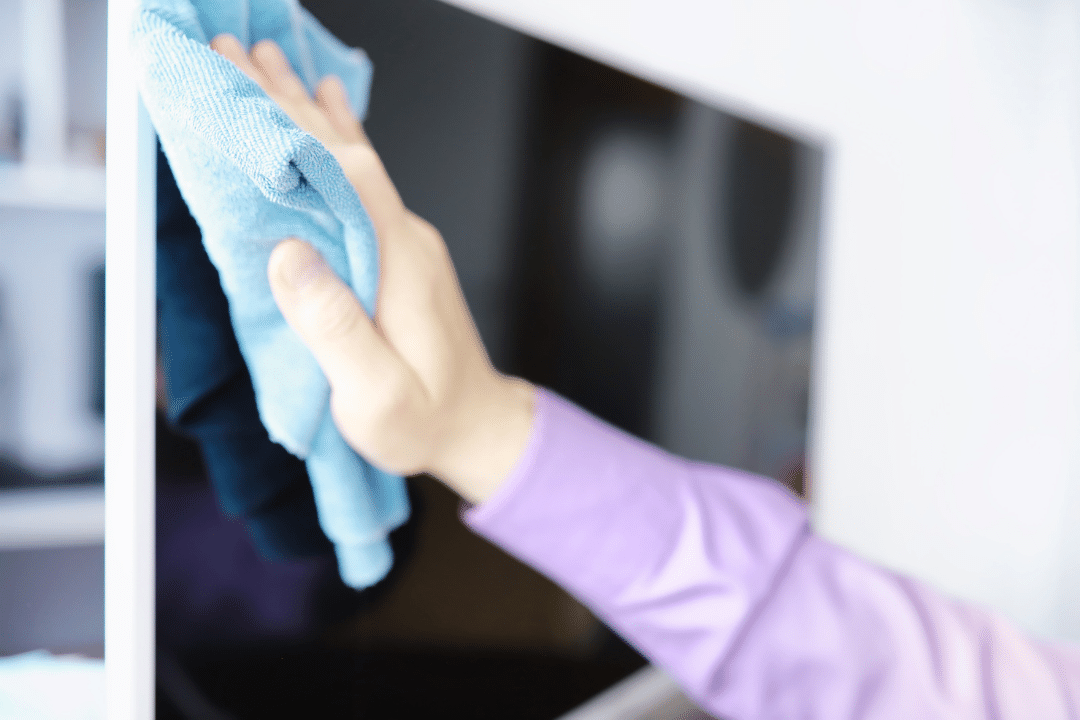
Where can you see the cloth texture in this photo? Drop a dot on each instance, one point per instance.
(251, 177)
(715, 576)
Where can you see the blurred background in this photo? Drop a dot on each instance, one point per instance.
(649, 258)
(52, 230)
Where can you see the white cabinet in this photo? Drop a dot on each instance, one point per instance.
(52, 247)
(52, 229)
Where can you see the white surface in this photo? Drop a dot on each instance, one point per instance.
(10, 73)
(85, 22)
(52, 187)
(44, 96)
(40, 686)
(44, 269)
(945, 416)
(45, 279)
(129, 387)
(51, 517)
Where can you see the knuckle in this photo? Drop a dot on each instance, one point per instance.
(430, 242)
(425, 229)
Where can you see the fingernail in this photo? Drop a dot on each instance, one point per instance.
(300, 266)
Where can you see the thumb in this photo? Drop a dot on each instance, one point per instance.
(329, 319)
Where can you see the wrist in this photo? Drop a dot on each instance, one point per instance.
(494, 429)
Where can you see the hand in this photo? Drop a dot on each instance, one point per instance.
(412, 390)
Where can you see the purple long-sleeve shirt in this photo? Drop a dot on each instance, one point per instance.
(715, 575)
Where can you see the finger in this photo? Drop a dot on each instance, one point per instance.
(268, 57)
(332, 98)
(330, 320)
(231, 49)
(363, 166)
(380, 198)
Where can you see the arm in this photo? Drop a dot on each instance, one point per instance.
(712, 573)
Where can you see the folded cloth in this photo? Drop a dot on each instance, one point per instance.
(211, 397)
(251, 177)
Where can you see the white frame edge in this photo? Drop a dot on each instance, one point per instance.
(129, 385)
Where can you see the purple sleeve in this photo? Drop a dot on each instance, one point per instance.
(715, 576)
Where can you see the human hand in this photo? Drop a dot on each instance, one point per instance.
(411, 390)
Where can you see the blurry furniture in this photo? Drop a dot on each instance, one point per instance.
(51, 569)
(52, 235)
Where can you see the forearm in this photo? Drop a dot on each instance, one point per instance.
(714, 575)
(674, 555)
(841, 638)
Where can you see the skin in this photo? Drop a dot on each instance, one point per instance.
(412, 389)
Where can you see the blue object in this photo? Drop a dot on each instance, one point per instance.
(211, 397)
(252, 178)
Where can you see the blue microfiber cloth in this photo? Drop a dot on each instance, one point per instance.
(251, 177)
(210, 396)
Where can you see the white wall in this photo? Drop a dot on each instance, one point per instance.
(945, 419)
